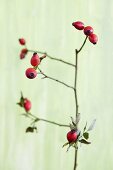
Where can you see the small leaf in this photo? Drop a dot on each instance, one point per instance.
(30, 129)
(92, 125)
(86, 135)
(65, 144)
(84, 141)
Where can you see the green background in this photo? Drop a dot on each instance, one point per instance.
(46, 25)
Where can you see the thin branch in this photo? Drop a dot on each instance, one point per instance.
(36, 119)
(75, 83)
(75, 94)
(78, 51)
(61, 82)
(52, 58)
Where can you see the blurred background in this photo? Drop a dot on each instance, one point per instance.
(47, 26)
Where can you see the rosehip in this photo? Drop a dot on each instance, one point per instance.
(31, 73)
(88, 30)
(72, 136)
(22, 41)
(93, 38)
(23, 53)
(35, 60)
(78, 25)
(27, 104)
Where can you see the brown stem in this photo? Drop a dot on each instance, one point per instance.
(82, 45)
(36, 119)
(52, 58)
(45, 76)
(75, 94)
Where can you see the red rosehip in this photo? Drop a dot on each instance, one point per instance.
(31, 73)
(23, 53)
(78, 25)
(24, 50)
(35, 60)
(27, 104)
(93, 38)
(22, 41)
(88, 30)
(72, 136)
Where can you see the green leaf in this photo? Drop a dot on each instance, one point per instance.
(84, 141)
(31, 129)
(86, 135)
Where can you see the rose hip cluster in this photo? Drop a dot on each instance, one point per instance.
(88, 31)
(30, 73)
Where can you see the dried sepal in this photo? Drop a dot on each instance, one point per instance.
(85, 127)
(21, 102)
(73, 121)
(65, 144)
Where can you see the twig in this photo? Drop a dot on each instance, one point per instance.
(45, 76)
(75, 94)
(78, 51)
(52, 58)
(36, 119)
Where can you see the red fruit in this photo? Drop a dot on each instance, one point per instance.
(72, 136)
(24, 50)
(27, 104)
(31, 73)
(22, 41)
(23, 53)
(78, 25)
(88, 30)
(35, 60)
(93, 38)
